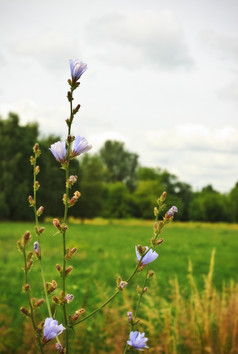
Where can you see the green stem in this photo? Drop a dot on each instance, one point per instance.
(38, 234)
(111, 297)
(30, 305)
(137, 308)
(64, 233)
(98, 309)
(139, 300)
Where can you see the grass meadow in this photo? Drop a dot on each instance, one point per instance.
(191, 305)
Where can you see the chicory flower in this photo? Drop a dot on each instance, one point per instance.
(80, 145)
(172, 210)
(59, 151)
(77, 69)
(137, 340)
(52, 329)
(148, 258)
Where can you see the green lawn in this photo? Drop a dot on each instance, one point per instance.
(105, 251)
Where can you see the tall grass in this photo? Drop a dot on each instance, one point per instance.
(206, 321)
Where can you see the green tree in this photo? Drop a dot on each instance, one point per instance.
(91, 172)
(16, 143)
(233, 198)
(209, 205)
(120, 164)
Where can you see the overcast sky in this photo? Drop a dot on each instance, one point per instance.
(162, 77)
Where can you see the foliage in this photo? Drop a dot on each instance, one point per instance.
(111, 182)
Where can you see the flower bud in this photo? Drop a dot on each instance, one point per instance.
(36, 150)
(155, 211)
(32, 160)
(73, 250)
(41, 230)
(39, 302)
(122, 285)
(138, 290)
(26, 288)
(29, 264)
(56, 300)
(56, 223)
(64, 199)
(71, 180)
(40, 211)
(163, 196)
(24, 311)
(150, 274)
(31, 200)
(50, 287)
(77, 314)
(26, 237)
(37, 170)
(129, 317)
(158, 242)
(36, 185)
(145, 289)
(29, 255)
(68, 270)
(59, 347)
(69, 298)
(76, 109)
(64, 227)
(36, 147)
(58, 267)
(170, 213)
(37, 249)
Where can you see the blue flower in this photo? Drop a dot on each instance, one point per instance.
(172, 210)
(77, 69)
(80, 145)
(52, 329)
(148, 258)
(59, 151)
(36, 247)
(137, 340)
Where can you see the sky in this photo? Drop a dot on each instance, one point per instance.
(162, 78)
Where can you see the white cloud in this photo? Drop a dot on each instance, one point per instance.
(225, 46)
(133, 39)
(49, 48)
(230, 91)
(196, 154)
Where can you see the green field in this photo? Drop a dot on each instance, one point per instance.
(108, 249)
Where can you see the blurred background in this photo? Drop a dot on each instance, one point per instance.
(159, 106)
(161, 87)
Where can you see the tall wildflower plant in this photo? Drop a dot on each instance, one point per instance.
(55, 296)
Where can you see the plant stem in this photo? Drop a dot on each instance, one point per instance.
(30, 305)
(139, 300)
(112, 296)
(38, 234)
(64, 233)
(137, 308)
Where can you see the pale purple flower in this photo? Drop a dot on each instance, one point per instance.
(148, 258)
(52, 329)
(77, 69)
(59, 347)
(59, 151)
(137, 340)
(69, 298)
(129, 316)
(80, 145)
(36, 247)
(172, 210)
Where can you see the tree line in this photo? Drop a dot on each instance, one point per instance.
(111, 182)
